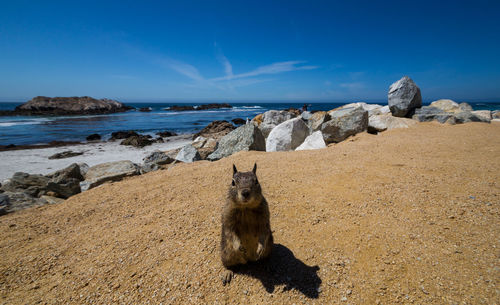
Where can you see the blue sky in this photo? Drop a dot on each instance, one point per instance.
(248, 50)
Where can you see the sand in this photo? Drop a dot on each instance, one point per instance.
(36, 161)
(406, 216)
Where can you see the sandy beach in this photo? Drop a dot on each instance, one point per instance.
(36, 161)
(406, 216)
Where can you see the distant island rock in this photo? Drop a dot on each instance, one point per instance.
(199, 107)
(42, 105)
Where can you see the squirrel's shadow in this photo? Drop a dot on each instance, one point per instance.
(282, 267)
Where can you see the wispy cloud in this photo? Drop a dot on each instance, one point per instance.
(228, 68)
(274, 68)
(182, 68)
(230, 80)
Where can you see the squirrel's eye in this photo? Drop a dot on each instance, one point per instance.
(256, 181)
(233, 183)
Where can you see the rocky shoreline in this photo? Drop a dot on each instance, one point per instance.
(271, 131)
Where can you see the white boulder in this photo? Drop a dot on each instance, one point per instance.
(287, 135)
(314, 141)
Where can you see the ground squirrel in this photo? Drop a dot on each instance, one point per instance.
(246, 230)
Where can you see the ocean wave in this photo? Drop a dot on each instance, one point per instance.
(248, 107)
(193, 112)
(10, 124)
(7, 123)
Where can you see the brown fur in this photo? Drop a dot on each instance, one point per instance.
(246, 230)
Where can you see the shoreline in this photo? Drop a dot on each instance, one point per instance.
(36, 161)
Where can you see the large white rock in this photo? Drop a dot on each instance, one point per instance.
(382, 122)
(287, 135)
(314, 141)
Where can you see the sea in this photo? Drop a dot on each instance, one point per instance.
(29, 130)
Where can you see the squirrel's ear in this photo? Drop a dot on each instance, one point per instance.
(234, 170)
(254, 170)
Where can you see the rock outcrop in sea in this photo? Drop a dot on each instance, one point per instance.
(42, 105)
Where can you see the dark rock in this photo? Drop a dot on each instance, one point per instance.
(158, 157)
(93, 137)
(180, 108)
(4, 200)
(213, 106)
(159, 140)
(468, 116)
(246, 137)
(216, 129)
(42, 105)
(65, 189)
(429, 113)
(344, 123)
(137, 141)
(238, 121)
(65, 154)
(4, 203)
(403, 97)
(166, 134)
(149, 167)
(145, 109)
(296, 112)
(33, 185)
(70, 172)
(20, 200)
(123, 134)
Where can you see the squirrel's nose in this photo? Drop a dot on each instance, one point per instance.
(245, 193)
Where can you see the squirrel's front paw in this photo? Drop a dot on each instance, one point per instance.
(226, 277)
